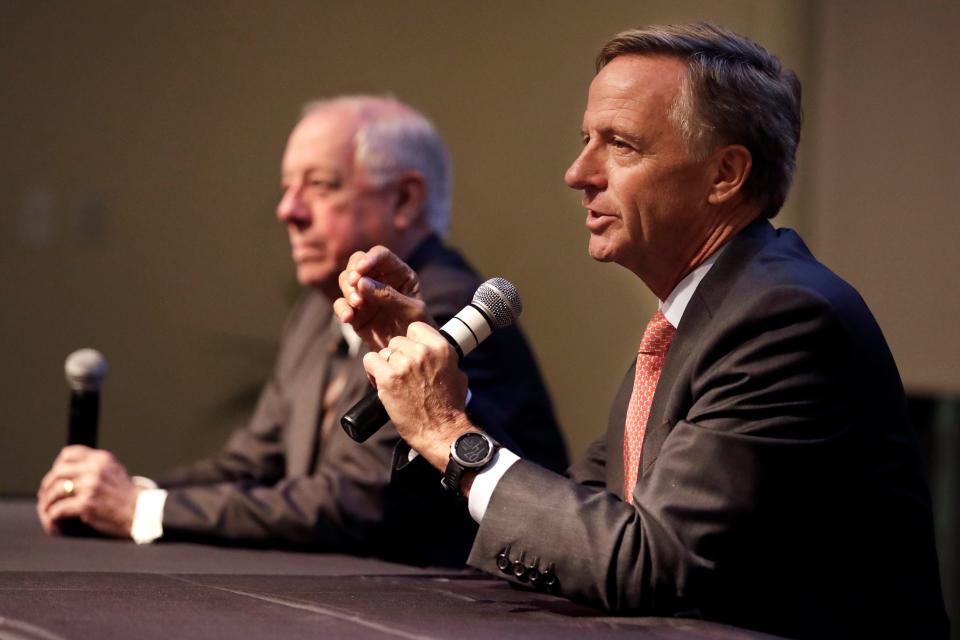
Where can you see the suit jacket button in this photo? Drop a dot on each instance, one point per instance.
(533, 572)
(549, 577)
(519, 569)
(503, 560)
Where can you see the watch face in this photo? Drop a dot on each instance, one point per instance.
(473, 448)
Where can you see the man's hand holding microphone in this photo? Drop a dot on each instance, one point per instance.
(411, 363)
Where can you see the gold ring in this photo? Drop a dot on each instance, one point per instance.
(68, 488)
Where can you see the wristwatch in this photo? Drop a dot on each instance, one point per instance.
(472, 450)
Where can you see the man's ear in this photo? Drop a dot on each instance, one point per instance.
(732, 166)
(411, 200)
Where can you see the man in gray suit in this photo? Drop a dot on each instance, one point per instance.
(758, 467)
(357, 171)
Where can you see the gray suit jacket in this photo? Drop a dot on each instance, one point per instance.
(779, 485)
(281, 482)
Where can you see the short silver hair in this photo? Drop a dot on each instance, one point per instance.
(392, 137)
(734, 92)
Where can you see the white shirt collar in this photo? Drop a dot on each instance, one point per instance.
(676, 303)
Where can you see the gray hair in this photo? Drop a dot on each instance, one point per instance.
(392, 138)
(735, 92)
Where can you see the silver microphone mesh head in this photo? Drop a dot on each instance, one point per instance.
(85, 369)
(501, 300)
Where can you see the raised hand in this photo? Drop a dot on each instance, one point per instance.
(423, 389)
(381, 297)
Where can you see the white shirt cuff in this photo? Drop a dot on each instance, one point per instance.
(486, 481)
(148, 512)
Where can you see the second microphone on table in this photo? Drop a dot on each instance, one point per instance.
(495, 305)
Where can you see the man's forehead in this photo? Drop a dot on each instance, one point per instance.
(339, 125)
(325, 137)
(637, 82)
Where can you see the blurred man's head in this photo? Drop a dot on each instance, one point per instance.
(360, 171)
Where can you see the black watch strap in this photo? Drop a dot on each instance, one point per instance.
(478, 449)
(452, 477)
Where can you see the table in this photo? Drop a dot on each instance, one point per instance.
(55, 588)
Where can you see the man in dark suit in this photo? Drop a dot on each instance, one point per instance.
(357, 171)
(758, 467)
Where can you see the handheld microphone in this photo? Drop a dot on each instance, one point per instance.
(495, 305)
(85, 370)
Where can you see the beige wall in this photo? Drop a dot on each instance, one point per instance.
(141, 145)
(884, 147)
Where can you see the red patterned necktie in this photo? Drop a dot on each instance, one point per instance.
(653, 350)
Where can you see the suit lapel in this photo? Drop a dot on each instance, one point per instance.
(659, 422)
(618, 416)
(317, 346)
(669, 404)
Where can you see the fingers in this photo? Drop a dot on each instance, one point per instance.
(54, 486)
(379, 264)
(376, 367)
(344, 312)
(61, 489)
(358, 289)
(60, 472)
(389, 361)
(49, 526)
(96, 489)
(73, 452)
(77, 460)
(426, 334)
(376, 262)
(83, 467)
(71, 507)
(421, 339)
(359, 292)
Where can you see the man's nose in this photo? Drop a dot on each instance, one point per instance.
(586, 171)
(292, 209)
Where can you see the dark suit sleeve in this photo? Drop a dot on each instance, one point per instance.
(591, 469)
(338, 507)
(766, 405)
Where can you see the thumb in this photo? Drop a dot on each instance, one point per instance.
(381, 294)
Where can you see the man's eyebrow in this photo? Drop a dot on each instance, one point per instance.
(609, 131)
(311, 170)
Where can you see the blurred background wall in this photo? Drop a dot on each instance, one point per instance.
(140, 152)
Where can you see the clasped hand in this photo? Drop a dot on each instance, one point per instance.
(90, 485)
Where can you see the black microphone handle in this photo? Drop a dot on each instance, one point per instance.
(365, 418)
(81, 429)
(82, 421)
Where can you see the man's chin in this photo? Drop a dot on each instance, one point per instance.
(599, 249)
(316, 277)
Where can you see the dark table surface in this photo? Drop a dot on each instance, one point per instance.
(53, 588)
